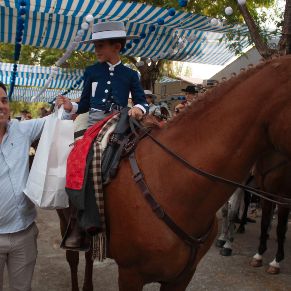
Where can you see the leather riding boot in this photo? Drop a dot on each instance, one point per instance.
(75, 238)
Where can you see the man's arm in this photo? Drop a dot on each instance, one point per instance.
(33, 127)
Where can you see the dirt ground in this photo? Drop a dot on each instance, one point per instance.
(213, 273)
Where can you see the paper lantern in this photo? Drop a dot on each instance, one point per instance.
(85, 26)
(241, 2)
(183, 3)
(172, 11)
(214, 21)
(152, 28)
(89, 18)
(161, 21)
(81, 32)
(142, 35)
(228, 10)
(148, 61)
(78, 38)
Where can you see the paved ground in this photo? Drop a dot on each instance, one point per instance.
(213, 273)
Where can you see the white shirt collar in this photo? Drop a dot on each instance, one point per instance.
(113, 66)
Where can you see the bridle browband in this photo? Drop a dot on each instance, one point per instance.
(283, 201)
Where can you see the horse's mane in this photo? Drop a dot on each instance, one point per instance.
(213, 94)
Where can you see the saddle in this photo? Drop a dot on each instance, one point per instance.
(118, 146)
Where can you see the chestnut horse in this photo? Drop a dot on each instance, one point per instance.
(223, 133)
(273, 172)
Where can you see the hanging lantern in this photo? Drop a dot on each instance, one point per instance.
(85, 26)
(183, 3)
(89, 18)
(241, 2)
(214, 21)
(228, 10)
(172, 11)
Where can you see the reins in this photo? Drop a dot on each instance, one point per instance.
(265, 195)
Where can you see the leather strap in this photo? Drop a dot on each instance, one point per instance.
(284, 201)
(191, 241)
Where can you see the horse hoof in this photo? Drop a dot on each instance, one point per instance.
(273, 270)
(256, 263)
(226, 252)
(241, 229)
(220, 243)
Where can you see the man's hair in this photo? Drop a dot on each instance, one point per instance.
(122, 41)
(3, 87)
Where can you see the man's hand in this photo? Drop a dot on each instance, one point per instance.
(136, 113)
(65, 101)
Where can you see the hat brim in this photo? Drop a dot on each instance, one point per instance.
(184, 90)
(129, 37)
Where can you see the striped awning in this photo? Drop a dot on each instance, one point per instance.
(36, 76)
(54, 23)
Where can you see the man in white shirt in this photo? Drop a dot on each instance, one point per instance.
(18, 231)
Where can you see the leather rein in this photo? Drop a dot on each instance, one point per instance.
(283, 201)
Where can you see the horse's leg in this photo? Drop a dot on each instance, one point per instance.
(224, 226)
(274, 266)
(72, 257)
(247, 201)
(129, 280)
(73, 260)
(88, 282)
(267, 214)
(181, 285)
(234, 204)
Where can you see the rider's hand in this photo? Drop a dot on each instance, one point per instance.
(136, 113)
(65, 101)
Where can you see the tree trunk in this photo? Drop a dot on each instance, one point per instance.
(149, 74)
(261, 46)
(286, 33)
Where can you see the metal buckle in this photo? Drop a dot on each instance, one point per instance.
(137, 177)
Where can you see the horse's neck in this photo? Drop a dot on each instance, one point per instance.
(222, 138)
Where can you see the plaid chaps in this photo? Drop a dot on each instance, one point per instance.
(99, 240)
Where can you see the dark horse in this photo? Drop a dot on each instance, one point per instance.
(223, 132)
(273, 172)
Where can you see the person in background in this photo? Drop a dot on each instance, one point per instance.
(153, 109)
(190, 93)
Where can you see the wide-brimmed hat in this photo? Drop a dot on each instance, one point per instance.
(150, 94)
(109, 30)
(191, 89)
